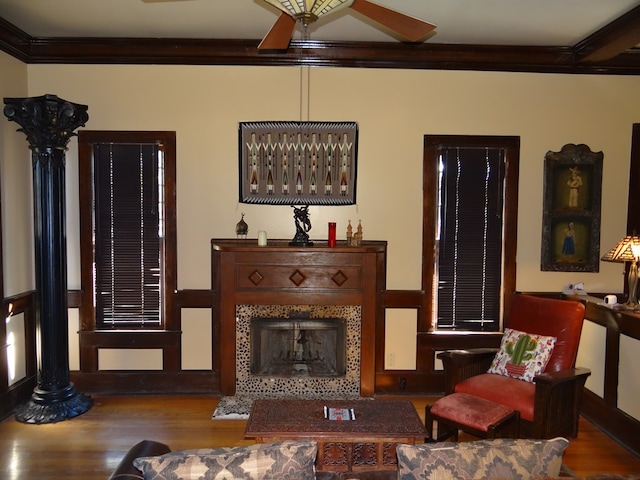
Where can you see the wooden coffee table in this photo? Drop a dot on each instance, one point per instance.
(366, 443)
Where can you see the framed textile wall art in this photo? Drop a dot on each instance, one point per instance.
(571, 211)
(298, 163)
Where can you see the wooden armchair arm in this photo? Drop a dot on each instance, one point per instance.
(557, 402)
(462, 364)
(568, 375)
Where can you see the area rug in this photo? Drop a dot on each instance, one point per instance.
(235, 407)
(238, 407)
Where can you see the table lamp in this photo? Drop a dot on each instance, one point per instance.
(627, 250)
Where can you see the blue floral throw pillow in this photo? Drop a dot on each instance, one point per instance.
(521, 459)
(284, 460)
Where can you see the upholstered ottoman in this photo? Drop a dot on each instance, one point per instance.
(476, 416)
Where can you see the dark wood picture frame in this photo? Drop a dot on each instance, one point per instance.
(298, 163)
(571, 212)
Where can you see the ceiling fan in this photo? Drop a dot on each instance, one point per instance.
(308, 11)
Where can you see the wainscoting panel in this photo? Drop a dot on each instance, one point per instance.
(614, 407)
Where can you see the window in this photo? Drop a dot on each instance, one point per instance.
(128, 216)
(470, 229)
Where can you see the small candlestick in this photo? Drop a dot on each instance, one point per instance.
(332, 234)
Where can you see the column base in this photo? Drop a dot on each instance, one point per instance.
(42, 408)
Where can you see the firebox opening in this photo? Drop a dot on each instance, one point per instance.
(298, 346)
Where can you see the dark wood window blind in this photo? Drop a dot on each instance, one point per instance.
(129, 231)
(470, 223)
(469, 245)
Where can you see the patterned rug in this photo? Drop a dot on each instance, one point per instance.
(238, 407)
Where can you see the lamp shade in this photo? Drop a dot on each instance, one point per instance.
(626, 250)
(308, 11)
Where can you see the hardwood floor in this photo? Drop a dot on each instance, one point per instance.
(90, 446)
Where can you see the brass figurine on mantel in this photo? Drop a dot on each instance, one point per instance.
(354, 239)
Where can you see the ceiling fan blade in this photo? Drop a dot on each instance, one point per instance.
(280, 34)
(410, 28)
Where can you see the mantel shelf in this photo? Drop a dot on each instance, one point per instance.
(251, 244)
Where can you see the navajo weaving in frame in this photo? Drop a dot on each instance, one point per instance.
(298, 163)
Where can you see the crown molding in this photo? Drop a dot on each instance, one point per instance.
(580, 59)
(14, 41)
(612, 40)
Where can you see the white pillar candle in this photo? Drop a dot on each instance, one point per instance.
(262, 238)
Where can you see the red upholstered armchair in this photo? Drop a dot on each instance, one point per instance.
(549, 406)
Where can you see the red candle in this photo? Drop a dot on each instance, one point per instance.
(332, 234)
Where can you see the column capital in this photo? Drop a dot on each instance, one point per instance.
(48, 121)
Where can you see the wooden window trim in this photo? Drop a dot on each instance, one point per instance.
(86, 138)
(432, 145)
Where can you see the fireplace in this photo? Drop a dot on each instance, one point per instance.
(289, 297)
(291, 377)
(297, 346)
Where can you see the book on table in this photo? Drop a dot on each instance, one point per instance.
(339, 414)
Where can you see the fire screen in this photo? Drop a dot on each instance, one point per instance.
(284, 347)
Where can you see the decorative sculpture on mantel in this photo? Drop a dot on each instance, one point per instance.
(242, 228)
(354, 239)
(303, 225)
(49, 123)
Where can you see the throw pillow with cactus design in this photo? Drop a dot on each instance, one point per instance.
(522, 355)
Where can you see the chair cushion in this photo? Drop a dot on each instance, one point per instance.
(511, 392)
(522, 355)
(469, 410)
(503, 458)
(551, 317)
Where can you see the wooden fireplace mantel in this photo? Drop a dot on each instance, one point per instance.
(244, 273)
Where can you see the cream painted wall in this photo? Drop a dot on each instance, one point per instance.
(401, 326)
(15, 175)
(629, 388)
(394, 110)
(591, 355)
(15, 184)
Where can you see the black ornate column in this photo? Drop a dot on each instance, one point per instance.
(49, 122)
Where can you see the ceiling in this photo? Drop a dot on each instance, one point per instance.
(489, 22)
(570, 28)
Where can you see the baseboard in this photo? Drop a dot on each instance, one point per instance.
(146, 382)
(409, 382)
